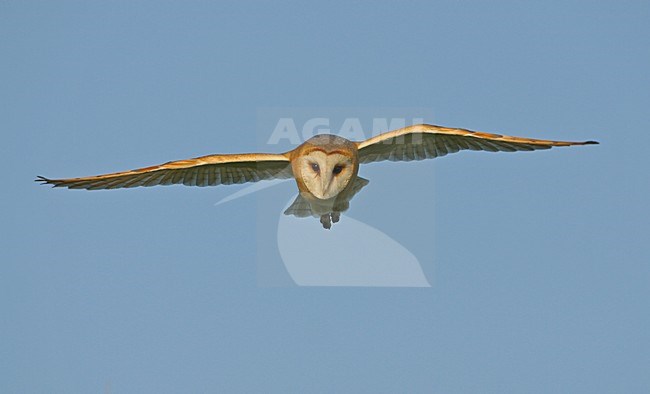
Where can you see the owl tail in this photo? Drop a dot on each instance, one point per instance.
(302, 207)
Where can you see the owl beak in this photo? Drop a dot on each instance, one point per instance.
(326, 183)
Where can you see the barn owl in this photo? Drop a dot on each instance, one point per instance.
(325, 167)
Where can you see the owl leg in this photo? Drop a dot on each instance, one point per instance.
(336, 216)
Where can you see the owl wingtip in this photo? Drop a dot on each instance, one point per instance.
(45, 181)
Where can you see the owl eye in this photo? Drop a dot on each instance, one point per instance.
(315, 167)
(337, 169)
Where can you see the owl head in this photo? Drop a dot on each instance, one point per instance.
(325, 165)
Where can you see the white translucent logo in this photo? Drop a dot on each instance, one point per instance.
(341, 250)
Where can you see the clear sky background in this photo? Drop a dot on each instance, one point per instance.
(539, 262)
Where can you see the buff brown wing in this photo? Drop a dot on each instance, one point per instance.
(201, 171)
(424, 141)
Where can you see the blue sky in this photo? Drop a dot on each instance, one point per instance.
(538, 262)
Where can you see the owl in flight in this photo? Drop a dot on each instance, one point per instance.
(325, 167)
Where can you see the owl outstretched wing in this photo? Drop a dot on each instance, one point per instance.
(209, 170)
(425, 141)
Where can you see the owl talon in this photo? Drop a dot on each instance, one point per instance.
(336, 216)
(325, 221)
